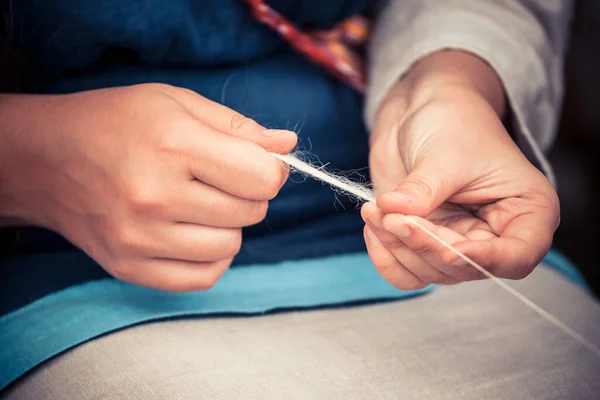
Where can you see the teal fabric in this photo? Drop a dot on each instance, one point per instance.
(62, 320)
(67, 318)
(559, 262)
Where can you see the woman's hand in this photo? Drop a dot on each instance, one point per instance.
(440, 152)
(152, 181)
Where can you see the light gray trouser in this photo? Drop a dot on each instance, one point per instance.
(471, 341)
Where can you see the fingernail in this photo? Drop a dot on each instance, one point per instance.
(275, 132)
(372, 238)
(403, 231)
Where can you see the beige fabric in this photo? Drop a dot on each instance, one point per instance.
(523, 40)
(472, 341)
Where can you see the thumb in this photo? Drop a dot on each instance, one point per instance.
(230, 122)
(422, 191)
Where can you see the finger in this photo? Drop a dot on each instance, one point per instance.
(373, 217)
(197, 243)
(405, 256)
(525, 238)
(428, 248)
(412, 261)
(201, 204)
(225, 120)
(504, 257)
(429, 185)
(238, 167)
(173, 275)
(387, 265)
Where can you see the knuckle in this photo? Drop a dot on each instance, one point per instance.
(437, 279)
(203, 285)
(182, 287)
(129, 239)
(172, 144)
(467, 274)
(126, 238)
(237, 123)
(258, 211)
(144, 200)
(174, 285)
(423, 186)
(493, 265)
(422, 248)
(411, 284)
(123, 271)
(393, 244)
(207, 281)
(270, 185)
(448, 257)
(521, 272)
(231, 243)
(266, 175)
(495, 271)
(387, 266)
(215, 272)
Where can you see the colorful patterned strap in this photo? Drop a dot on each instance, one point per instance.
(337, 50)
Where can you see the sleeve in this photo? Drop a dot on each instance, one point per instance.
(523, 40)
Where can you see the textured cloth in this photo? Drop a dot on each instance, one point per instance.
(337, 49)
(469, 342)
(59, 321)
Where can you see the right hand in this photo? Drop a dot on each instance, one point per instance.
(153, 182)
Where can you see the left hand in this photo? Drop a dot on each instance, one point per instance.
(439, 151)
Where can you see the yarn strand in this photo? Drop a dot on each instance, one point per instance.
(320, 174)
(364, 193)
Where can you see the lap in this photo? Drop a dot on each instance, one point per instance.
(470, 341)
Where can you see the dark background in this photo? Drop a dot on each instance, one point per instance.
(575, 154)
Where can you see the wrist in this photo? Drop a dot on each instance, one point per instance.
(23, 176)
(450, 75)
(443, 74)
(454, 70)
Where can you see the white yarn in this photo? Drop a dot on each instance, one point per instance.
(364, 193)
(345, 185)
